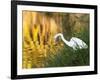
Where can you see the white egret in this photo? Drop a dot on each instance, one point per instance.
(74, 42)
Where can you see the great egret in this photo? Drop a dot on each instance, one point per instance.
(74, 42)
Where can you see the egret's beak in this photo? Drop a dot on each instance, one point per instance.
(55, 39)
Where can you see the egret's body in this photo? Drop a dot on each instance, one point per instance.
(74, 42)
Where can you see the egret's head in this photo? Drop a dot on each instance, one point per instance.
(56, 37)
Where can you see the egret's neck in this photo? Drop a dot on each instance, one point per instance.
(65, 41)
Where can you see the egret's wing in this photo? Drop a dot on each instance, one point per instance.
(73, 43)
(80, 43)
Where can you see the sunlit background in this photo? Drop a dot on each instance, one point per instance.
(39, 48)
